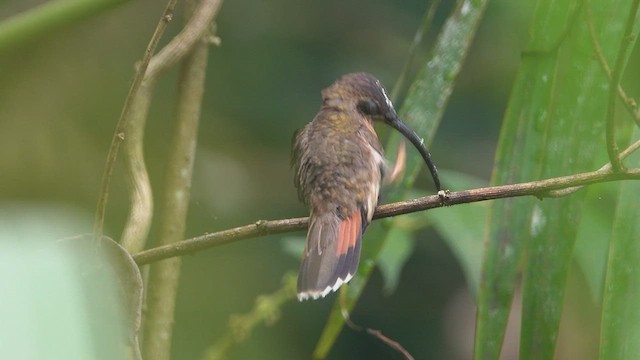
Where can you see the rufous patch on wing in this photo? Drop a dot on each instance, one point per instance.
(343, 242)
(349, 233)
(356, 227)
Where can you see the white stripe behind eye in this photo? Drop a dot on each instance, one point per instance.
(386, 97)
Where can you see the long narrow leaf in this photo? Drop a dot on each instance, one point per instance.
(620, 337)
(555, 124)
(518, 153)
(573, 139)
(48, 17)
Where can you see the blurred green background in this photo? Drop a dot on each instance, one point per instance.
(61, 95)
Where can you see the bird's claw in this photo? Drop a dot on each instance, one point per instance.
(444, 197)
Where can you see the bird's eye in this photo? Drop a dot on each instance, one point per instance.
(368, 107)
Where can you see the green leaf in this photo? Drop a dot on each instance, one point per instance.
(67, 299)
(48, 17)
(393, 256)
(554, 126)
(520, 146)
(575, 126)
(620, 335)
(594, 231)
(462, 227)
(422, 111)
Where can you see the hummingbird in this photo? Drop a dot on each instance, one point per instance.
(339, 167)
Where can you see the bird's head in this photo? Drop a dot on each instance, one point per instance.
(370, 98)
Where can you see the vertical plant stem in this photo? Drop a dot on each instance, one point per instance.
(136, 230)
(164, 276)
(135, 233)
(121, 127)
(627, 39)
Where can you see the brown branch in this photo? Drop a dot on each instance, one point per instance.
(540, 189)
(184, 42)
(121, 126)
(605, 169)
(390, 342)
(612, 146)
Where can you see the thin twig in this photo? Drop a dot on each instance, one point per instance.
(121, 126)
(629, 102)
(612, 146)
(344, 310)
(373, 332)
(540, 189)
(604, 169)
(390, 342)
(183, 43)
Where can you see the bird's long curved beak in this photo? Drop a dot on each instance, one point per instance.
(394, 121)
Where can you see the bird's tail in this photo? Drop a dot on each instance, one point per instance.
(331, 255)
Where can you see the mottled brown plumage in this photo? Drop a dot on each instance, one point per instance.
(339, 167)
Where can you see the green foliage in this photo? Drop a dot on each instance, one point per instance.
(462, 228)
(267, 310)
(593, 237)
(554, 126)
(40, 21)
(64, 300)
(620, 336)
(394, 255)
